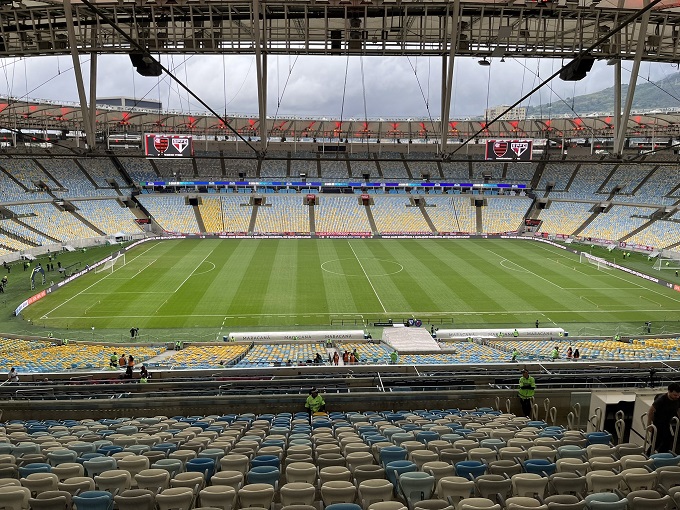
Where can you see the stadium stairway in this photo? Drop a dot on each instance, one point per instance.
(640, 228)
(408, 170)
(478, 220)
(87, 222)
(643, 181)
(199, 218)
(16, 181)
(87, 175)
(586, 223)
(572, 178)
(32, 229)
(371, 220)
(253, 217)
(312, 220)
(47, 173)
(421, 206)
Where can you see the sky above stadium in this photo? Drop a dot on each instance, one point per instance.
(337, 87)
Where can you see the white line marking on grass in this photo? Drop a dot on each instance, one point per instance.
(95, 283)
(558, 261)
(370, 314)
(204, 272)
(199, 265)
(550, 320)
(651, 301)
(520, 270)
(367, 278)
(92, 305)
(589, 301)
(126, 292)
(525, 269)
(137, 273)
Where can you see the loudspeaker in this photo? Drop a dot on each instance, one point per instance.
(577, 69)
(336, 39)
(144, 65)
(193, 202)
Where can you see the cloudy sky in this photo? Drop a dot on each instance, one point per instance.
(372, 87)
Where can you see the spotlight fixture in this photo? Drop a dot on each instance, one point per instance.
(484, 62)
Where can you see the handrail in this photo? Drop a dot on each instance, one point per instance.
(619, 426)
(675, 428)
(595, 419)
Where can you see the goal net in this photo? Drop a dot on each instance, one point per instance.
(662, 263)
(111, 265)
(596, 261)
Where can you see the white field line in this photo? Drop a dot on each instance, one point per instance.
(613, 274)
(187, 278)
(367, 278)
(503, 259)
(95, 283)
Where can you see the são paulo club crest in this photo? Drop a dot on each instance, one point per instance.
(500, 147)
(519, 148)
(180, 144)
(161, 144)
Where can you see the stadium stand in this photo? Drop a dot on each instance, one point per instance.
(396, 214)
(520, 172)
(359, 168)
(276, 167)
(335, 169)
(173, 169)
(101, 170)
(657, 188)
(305, 163)
(108, 216)
(265, 355)
(617, 222)
(171, 212)
(587, 183)
(71, 177)
(282, 213)
(139, 169)
(367, 352)
(20, 230)
(61, 225)
(27, 172)
(660, 234)
(207, 356)
(452, 213)
(504, 214)
(564, 217)
(235, 166)
(208, 164)
(627, 178)
(337, 213)
(556, 173)
(393, 167)
(459, 171)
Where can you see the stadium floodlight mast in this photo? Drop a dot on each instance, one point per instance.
(146, 54)
(583, 53)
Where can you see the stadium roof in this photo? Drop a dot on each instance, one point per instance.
(50, 115)
(518, 28)
(487, 28)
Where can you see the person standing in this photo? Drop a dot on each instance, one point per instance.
(537, 322)
(555, 354)
(13, 376)
(664, 408)
(394, 357)
(527, 388)
(314, 403)
(113, 360)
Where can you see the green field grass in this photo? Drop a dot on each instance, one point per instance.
(216, 286)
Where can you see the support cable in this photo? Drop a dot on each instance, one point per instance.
(147, 54)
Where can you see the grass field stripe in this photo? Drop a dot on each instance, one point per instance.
(371, 314)
(197, 266)
(367, 278)
(95, 283)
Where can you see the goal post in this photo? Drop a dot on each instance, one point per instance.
(601, 264)
(111, 265)
(662, 263)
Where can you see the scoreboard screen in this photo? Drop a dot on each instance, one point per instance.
(168, 146)
(509, 150)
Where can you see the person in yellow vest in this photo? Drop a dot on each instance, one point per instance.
(314, 403)
(527, 388)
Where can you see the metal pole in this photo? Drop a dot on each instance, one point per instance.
(448, 85)
(261, 70)
(93, 96)
(71, 31)
(642, 35)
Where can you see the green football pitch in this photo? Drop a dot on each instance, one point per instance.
(232, 284)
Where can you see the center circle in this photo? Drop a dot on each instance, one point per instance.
(334, 266)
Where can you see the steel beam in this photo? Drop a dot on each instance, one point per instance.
(447, 81)
(261, 70)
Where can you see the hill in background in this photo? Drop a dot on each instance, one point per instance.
(648, 96)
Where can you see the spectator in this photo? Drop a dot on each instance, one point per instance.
(113, 360)
(143, 372)
(394, 357)
(527, 388)
(569, 353)
(122, 361)
(13, 376)
(314, 403)
(555, 354)
(662, 411)
(577, 354)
